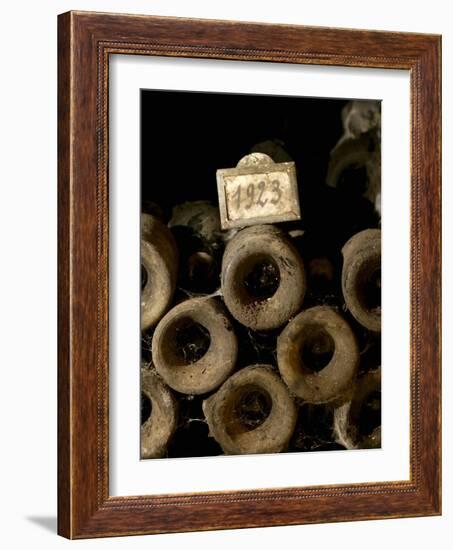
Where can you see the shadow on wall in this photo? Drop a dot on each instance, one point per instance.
(48, 523)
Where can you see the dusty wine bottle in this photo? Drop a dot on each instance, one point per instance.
(194, 347)
(252, 412)
(159, 415)
(361, 278)
(357, 422)
(317, 355)
(196, 228)
(263, 277)
(159, 266)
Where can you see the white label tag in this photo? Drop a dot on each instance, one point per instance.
(256, 193)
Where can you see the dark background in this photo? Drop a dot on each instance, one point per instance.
(185, 138)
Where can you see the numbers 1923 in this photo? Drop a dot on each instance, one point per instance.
(257, 194)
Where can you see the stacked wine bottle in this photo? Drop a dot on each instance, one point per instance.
(263, 339)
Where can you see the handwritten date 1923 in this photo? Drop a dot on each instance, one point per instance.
(257, 194)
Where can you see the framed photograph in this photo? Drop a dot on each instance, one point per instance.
(249, 275)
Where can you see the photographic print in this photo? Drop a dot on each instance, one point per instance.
(260, 274)
(219, 281)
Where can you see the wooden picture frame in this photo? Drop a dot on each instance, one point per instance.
(85, 41)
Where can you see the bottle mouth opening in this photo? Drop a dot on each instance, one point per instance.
(317, 349)
(192, 341)
(370, 414)
(260, 279)
(144, 277)
(146, 408)
(248, 408)
(253, 407)
(369, 287)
